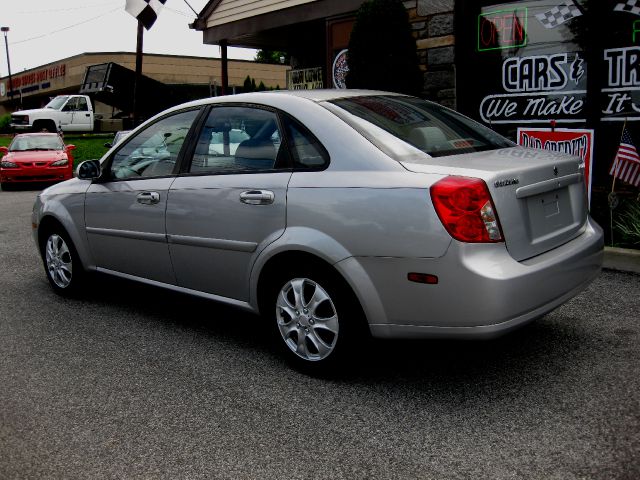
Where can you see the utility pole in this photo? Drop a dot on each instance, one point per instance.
(138, 78)
(5, 30)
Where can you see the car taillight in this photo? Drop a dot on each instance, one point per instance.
(466, 210)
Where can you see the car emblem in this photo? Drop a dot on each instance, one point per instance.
(555, 171)
(506, 182)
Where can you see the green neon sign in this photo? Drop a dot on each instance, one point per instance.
(502, 29)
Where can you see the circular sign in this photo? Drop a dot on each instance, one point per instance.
(340, 69)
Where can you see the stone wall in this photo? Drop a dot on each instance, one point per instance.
(433, 28)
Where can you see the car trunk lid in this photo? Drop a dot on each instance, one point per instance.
(539, 195)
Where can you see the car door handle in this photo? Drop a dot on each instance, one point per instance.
(148, 198)
(257, 197)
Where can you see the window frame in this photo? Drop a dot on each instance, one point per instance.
(184, 148)
(285, 140)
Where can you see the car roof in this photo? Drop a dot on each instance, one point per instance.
(35, 134)
(321, 95)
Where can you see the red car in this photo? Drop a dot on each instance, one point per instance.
(36, 157)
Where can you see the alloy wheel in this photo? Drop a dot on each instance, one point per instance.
(307, 319)
(59, 261)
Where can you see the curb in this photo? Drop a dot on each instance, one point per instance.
(622, 259)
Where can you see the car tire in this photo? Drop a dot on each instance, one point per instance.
(6, 187)
(316, 319)
(61, 263)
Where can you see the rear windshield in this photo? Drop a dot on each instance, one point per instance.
(427, 126)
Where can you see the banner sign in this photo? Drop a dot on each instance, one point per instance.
(537, 88)
(578, 142)
(305, 79)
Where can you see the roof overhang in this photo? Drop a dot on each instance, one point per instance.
(248, 31)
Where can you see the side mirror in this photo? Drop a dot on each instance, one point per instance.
(4, 150)
(71, 147)
(89, 170)
(108, 145)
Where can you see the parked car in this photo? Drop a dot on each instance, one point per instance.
(36, 157)
(118, 137)
(343, 214)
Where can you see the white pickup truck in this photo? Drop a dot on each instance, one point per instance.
(67, 113)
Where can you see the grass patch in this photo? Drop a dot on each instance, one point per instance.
(88, 147)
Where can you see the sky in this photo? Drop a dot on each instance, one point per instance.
(42, 31)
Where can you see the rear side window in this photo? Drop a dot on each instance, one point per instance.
(427, 126)
(307, 151)
(239, 140)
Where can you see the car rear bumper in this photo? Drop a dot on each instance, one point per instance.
(482, 291)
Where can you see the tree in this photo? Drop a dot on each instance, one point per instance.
(382, 51)
(249, 85)
(271, 56)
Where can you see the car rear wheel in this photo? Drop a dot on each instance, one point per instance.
(61, 263)
(316, 318)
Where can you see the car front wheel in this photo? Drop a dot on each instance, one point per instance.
(61, 263)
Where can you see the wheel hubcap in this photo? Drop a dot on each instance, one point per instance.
(307, 319)
(58, 259)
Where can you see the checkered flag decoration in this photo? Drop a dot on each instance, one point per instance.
(559, 15)
(145, 11)
(630, 6)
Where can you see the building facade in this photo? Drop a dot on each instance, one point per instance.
(198, 77)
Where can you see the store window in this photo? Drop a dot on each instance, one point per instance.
(529, 64)
(571, 63)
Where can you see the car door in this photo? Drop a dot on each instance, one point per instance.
(230, 201)
(66, 113)
(125, 213)
(81, 118)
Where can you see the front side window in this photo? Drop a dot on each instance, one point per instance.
(239, 139)
(427, 126)
(153, 152)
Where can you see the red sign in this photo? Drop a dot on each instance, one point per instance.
(566, 140)
(39, 76)
(502, 29)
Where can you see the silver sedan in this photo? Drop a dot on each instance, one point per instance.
(338, 215)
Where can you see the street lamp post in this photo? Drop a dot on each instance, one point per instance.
(5, 30)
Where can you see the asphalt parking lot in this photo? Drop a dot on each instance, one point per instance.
(135, 382)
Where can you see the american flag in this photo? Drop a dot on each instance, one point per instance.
(626, 165)
(145, 11)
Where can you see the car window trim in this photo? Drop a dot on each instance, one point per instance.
(294, 155)
(284, 139)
